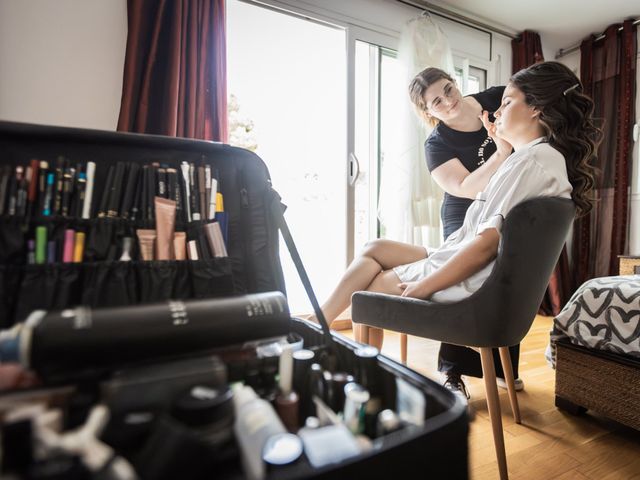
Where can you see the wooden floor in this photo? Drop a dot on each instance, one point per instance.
(549, 444)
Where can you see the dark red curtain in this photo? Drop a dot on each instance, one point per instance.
(526, 50)
(175, 69)
(608, 72)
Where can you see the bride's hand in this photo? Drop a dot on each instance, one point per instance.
(502, 145)
(415, 290)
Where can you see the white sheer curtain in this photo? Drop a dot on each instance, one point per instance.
(409, 205)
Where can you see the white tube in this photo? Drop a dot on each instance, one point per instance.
(86, 207)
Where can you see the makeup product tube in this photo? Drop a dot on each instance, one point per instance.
(151, 192)
(165, 225)
(192, 250)
(161, 191)
(69, 242)
(48, 194)
(130, 190)
(212, 198)
(184, 168)
(80, 194)
(147, 240)
(287, 400)
(57, 196)
(202, 192)
(67, 190)
(41, 244)
(221, 216)
(194, 200)
(256, 421)
(136, 206)
(88, 196)
(42, 185)
(102, 339)
(103, 206)
(180, 245)
(127, 245)
(78, 249)
(215, 240)
(33, 184)
(207, 191)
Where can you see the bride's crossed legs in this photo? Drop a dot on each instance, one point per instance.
(371, 270)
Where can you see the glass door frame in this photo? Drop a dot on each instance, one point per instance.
(354, 34)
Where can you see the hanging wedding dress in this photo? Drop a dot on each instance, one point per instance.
(409, 205)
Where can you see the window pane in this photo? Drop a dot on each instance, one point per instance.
(287, 75)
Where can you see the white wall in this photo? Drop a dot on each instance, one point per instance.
(61, 62)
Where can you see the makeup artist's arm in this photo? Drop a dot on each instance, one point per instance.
(469, 260)
(455, 179)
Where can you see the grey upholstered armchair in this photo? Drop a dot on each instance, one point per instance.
(500, 313)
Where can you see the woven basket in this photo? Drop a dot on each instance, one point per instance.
(629, 265)
(604, 382)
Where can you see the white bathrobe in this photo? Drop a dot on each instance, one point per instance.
(534, 170)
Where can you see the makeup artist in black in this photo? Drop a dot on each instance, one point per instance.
(461, 158)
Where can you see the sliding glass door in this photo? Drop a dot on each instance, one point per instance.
(314, 101)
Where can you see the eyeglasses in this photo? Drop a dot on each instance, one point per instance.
(438, 102)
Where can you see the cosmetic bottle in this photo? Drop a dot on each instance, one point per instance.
(316, 387)
(302, 360)
(287, 400)
(356, 398)
(365, 375)
(256, 421)
(334, 393)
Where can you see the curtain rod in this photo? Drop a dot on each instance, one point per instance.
(566, 51)
(422, 5)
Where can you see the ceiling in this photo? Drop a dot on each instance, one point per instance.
(560, 23)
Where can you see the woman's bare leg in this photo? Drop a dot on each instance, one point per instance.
(385, 282)
(377, 256)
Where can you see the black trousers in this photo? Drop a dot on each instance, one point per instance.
(465, 361)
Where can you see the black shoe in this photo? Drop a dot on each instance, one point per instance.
(454, 383)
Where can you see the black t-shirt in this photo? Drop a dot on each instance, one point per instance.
(471, 148)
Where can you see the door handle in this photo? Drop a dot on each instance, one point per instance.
(354, 169)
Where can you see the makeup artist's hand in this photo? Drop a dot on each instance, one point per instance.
(503, 146)
(418, 289)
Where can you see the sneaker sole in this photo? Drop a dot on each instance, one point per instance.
(519, 384)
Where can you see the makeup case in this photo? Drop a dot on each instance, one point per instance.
(434, 447)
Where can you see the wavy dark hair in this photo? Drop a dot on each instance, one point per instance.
(420, 83)
(566, 116)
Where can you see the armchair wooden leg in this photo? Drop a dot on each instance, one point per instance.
(403, 348)
(493, 404)
(505, 358)
(361, 332)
